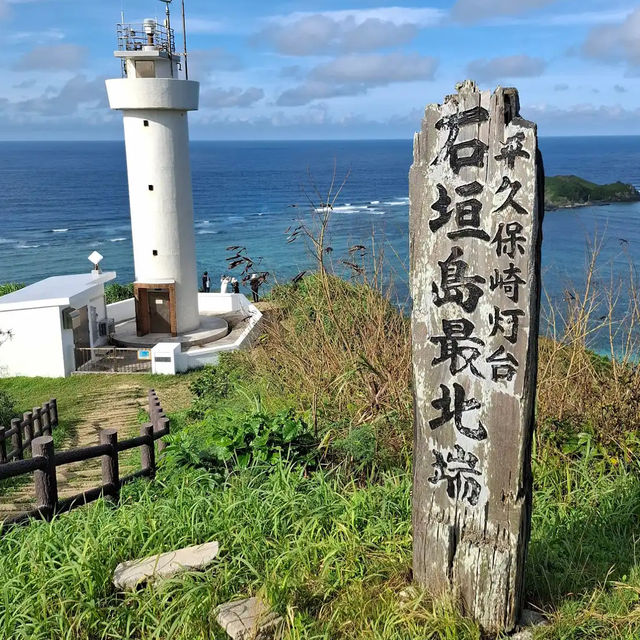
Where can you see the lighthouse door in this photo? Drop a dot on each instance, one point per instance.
(159, 312)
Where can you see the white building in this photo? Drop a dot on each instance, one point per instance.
(154, 102)
(48, 326)
(55, 326)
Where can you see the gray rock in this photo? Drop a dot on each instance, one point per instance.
(522, 635)
(531, 618)
(249, 619)
(129, 575)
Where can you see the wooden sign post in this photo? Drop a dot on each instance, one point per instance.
(476, 188)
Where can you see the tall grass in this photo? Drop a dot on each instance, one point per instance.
(579, 389)
(331, 557)
(329, 549)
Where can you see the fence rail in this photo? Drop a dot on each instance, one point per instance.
(39, 422)
(111, 360)
(44, 463)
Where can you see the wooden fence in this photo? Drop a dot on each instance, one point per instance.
(44, 462)
(39, 422)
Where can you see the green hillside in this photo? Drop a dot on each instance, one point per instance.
(571, 191)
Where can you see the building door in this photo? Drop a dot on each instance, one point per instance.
(159, 312)
(81, 339)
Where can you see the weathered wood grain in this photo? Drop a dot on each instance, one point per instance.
(474, 378)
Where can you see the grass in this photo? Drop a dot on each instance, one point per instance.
(315, 545)
(72, 394)
(329, 545)
(31, 392)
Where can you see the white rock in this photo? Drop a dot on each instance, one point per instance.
(128, 575)
(249, 619)
(522, 635)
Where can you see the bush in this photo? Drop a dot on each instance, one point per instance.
(216, 383)
(10, 287)
(223, 442)
(340, 348)
(358, 447)
(7, 408)
(115, 292)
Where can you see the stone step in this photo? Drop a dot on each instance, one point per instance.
(133, 573)
(249, 619)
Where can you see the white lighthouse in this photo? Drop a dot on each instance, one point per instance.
(154, 101)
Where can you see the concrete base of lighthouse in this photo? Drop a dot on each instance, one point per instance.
(211, 329)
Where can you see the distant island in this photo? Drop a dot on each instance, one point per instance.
(565, 192)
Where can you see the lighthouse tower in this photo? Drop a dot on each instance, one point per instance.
(154, 101)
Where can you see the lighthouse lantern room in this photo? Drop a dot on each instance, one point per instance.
(154, 100)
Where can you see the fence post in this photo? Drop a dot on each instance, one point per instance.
(53, 406)
(27, 426)
(37, 422)
(163, 422)
(152, 406)
(110, 467)
(45, 416)
(3, 445)
(16, 438)
(45, 481)
(147, 451)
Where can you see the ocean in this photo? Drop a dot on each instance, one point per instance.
(61, 200)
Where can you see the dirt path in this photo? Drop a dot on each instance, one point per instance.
(117, 407)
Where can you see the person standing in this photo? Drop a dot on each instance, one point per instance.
(235, 285)
(254, 283)
(206, 283)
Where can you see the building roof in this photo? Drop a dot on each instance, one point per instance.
(57, 291)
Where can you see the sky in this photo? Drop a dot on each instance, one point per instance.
(324, 69)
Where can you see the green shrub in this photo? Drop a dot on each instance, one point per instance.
(7, 408)
(115, 292)
(216, 383)
(359, 446)
(223, 442)
(10, 287)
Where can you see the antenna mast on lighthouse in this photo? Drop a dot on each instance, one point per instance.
(184, 42)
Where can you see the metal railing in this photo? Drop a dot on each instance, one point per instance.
(112, 360)
(134, 37)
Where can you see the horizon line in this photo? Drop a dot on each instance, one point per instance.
(408, 139)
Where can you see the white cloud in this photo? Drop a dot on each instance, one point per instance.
(519, 66)
(355, 74)
(60, 57)
(581, 118)
(318, 34)
(34, 37)
(479, 10)
(204, 26)
(202, 62)
(219, 98)
(425, 17)
(305, 33)
(78, 92)
(616, 42)
(376, 69)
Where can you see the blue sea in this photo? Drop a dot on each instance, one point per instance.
(60, 201)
